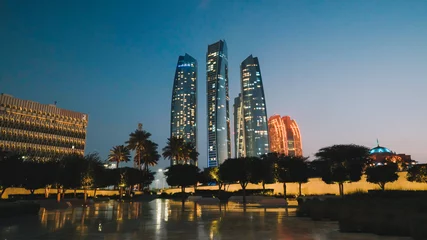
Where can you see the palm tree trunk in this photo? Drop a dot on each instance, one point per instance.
(94, 192)
(117, 164)
(139, 159)
(85, 195)
(75, 193)
(58, 194)
(284, 190)
(46, 192)
(299, 188)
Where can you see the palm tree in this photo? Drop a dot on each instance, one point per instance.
(174, 150)
(136, 142)
(150, 156)
(119, 154)
(190, 153)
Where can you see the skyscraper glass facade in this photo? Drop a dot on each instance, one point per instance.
(184, 100)
(218, 117)
(254, 111)
(239, 146)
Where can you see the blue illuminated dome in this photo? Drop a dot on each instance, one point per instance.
(380, 149)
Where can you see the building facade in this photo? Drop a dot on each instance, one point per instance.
(294, 136)
(285, 136)
(184, 101)
(277, 134)
(253, 110)
(239, 146)
(40, 131)
(218, 116)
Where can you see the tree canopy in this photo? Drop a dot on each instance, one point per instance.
(342, 163)
(183, 175)
(382, 174)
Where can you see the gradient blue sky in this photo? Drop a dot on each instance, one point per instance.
(347, 71)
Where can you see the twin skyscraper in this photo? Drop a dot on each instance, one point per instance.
(250, 112)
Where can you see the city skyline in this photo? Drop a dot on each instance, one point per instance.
(184, 101)
(349, 72)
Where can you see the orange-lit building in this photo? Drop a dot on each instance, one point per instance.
(277, 134)
(285, 136)
(41, 131)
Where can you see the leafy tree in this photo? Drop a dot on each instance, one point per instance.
(138, 142)
(382, 174)
(96, 171)
(242, 170)
(291, 169)
(342, 163)
(182, 175)
(34, 175)
(417, 173)
(119, 154)
(174, 150)
(72, 168)
(268, 168)
(10, 174)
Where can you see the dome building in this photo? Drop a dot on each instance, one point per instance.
(381, 155)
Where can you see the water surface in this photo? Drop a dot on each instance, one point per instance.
(166, 219)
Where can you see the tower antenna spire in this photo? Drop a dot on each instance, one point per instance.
(378, 143)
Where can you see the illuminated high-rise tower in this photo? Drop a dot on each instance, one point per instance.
(218, 117)
(294, 136)
(239, 146)
(277, 134)
(184, 101)
(285, 136)
(254, 110)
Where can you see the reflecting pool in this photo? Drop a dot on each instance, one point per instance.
(166, 219)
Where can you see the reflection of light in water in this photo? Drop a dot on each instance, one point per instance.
(43, 217)
(158, 216)
(100, 227)
(279, 217)
(166, 217)
(213, 229)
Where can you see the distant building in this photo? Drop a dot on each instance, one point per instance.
(40, 130)
(251, 111)
(382, 155)
(277, 134)
(218, 116)
(184, 101)
(294, 136)
(285, 136)
(239, 146)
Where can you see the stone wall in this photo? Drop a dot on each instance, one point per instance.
(316, 186)
(14, 191)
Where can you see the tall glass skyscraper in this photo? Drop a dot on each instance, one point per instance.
(254, 110)
(239, 146)
(184, 101)
(219, 145)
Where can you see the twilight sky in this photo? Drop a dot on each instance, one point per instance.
(347, 71)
